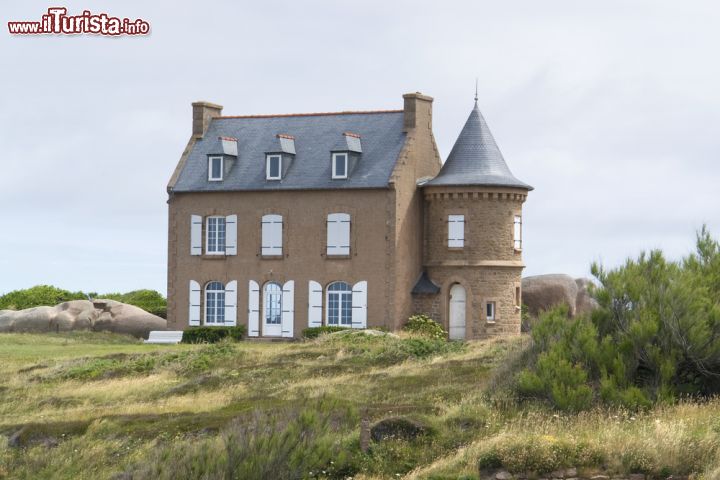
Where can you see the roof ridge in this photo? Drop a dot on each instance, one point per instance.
(312, 114)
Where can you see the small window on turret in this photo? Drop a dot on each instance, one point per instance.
(456, 231)
(517, 233)
(490, 311)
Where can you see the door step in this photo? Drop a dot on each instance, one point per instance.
(269, 339)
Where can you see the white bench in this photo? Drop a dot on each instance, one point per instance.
(165, 336)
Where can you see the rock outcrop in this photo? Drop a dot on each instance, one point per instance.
(99, 315)
(542, 292)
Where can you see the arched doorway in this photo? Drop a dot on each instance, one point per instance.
(457, 312)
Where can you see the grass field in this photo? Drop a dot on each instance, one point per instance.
(93, 406)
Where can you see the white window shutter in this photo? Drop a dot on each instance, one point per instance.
(359, 305)
(272, 234)
(195, 235)
(338, 234)
(315, 304)
(194, 304)
(288, 309)
(456, 230)
(231, 303)
(231, 235)
(253, 309)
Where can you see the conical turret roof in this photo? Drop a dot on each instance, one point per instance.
(475, 159)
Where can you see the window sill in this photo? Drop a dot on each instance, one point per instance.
(338, 257)
(271, 257)
(517, 250)
(214, 256)
(491, 322)
(456, 249)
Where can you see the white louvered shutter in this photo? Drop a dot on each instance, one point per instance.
(231, 303)
(288, 309)
(253, 309)
(231, 235)
(272, 234)
(194, 304)
(359, 305)
(338, 234)
(315, 301)
(195, 235)
(456, 230)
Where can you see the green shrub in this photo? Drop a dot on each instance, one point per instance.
(40, 295)
(212, 334)
(149, 300)
(655, 336)
(314, 332)
(423, 325)
(46, 295)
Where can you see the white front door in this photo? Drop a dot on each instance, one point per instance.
(457, 312)
(272, 310)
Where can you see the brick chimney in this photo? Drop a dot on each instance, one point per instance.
(203, 112)
(418, 111)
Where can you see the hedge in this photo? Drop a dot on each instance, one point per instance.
(212, 334)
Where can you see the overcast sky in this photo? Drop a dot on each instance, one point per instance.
(611, 109)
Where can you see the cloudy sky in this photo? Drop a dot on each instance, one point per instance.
(611, 109)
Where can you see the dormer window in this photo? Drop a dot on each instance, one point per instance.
(215, 169)
(273, 167)
(339, 165)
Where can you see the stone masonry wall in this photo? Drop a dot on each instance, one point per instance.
(482, 284)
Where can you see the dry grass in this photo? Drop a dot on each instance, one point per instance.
(106, 423)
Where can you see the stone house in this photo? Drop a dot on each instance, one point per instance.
(283, 222)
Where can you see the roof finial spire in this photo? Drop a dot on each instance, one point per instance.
(476, 81)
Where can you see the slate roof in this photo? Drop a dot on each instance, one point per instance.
(316, 135)
(425, 285)
(475, 159)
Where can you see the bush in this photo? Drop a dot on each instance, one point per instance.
(314, 332)
(149, 300)
(655, 336)
(212, 334)
(40, 295)
(47, 295)
(423, 325)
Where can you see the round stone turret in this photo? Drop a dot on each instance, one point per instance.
(473, 238)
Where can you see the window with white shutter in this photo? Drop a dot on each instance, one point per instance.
(517, 232)
(339, 304)
(231, 303)
(194, 304)
(195, 235)
(359, 305)
(253, 309)
(272, 235)
(231, 235)
(288, 309)
(215, 236)
(315, 304)
(214, 303)
(456, 231)
(338, 234)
